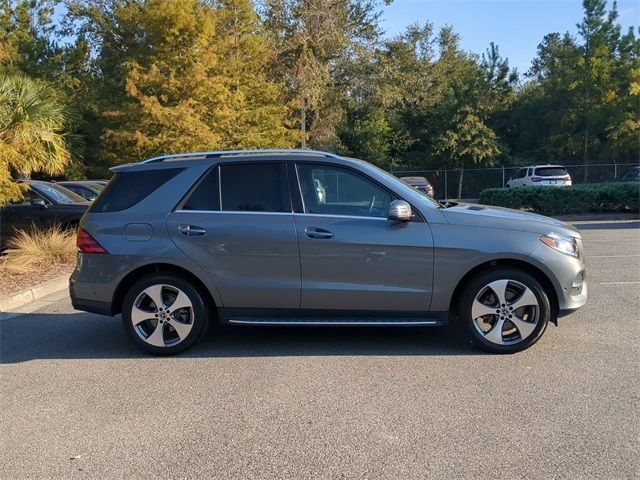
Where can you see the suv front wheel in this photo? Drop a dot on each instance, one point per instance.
(504, 310)
(164, 314)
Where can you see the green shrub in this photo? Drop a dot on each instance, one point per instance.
(600, 197)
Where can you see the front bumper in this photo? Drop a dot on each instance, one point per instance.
(567, 274)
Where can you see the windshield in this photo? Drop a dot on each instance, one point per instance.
(57, 193)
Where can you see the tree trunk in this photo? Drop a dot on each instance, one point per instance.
(586, 151)
(460, 183)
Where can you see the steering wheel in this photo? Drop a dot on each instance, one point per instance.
(373, 201)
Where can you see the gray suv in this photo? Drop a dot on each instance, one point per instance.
(297, 237)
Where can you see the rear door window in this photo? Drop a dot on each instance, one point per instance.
(254, 187)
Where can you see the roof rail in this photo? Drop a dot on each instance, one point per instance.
(216, 154)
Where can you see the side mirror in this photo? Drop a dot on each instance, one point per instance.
(38, 202)
(399, 211)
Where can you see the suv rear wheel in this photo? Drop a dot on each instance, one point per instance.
(164, 314)
(504, 310)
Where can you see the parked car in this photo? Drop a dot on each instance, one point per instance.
(87, 189)
(540, 175)
(100, 182)
(44, 205)
(419, 183)
(632, 175)
(244, 238)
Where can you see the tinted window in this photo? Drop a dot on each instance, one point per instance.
(83, 192)
(333, 190)
(206, 196)
(520, 173)
(128, 188)
(551, 172)
(252, 187)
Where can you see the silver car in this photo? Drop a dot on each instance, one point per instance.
(248, 238)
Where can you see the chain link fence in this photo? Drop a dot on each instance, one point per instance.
(474, 180)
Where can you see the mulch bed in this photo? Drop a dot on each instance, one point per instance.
(12, 282)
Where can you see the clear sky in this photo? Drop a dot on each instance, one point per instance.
(516, 26)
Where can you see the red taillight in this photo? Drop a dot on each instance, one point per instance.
(536, 179)
(566, 177)
(87, 244)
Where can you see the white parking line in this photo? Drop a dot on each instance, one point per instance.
(619, 283)
(610, 256)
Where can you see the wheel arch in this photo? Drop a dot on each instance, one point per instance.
(132, 277)
(527, 267)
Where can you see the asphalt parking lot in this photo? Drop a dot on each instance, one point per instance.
(79, 401)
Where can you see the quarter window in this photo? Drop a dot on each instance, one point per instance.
(129, 188)
(206, 196)
(252, 187)
(332, 190)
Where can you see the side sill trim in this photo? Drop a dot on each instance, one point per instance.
(246, 321)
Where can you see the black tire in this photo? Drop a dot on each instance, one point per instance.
(478, 283)
(198, 313)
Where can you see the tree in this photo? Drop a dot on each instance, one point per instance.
(579, 105)
(32, 122)
(26, 38)
(317, 43)
(183, 76)
(468, 141)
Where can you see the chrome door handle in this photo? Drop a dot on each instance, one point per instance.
(191, 230)
(315, 232)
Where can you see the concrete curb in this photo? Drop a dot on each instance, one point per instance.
(599, 217)
(34, 293)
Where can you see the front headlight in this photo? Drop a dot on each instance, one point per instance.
(566, 245)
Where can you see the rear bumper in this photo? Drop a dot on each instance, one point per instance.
(552, 183)
(92, 284)
(91, 306)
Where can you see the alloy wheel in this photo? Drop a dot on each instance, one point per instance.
(162, 315)
(505, 312)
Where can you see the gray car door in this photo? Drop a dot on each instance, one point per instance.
(351, 256)
(238, 226)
